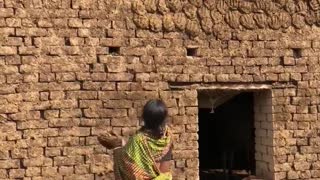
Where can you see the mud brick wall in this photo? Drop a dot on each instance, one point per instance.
(71, 70)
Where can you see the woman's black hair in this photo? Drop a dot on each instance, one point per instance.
(154, 116)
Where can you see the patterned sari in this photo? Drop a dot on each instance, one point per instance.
(137, 160)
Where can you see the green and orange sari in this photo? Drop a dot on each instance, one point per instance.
(137, 160)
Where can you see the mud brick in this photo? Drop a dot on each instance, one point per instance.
(63, 122)
(62, 141)
(16, 173)
(192, 163)
(69, 67)
(36, 124)
(60, 104)
(76, 41)
(300, 166)
(93, 140)
(38, 161)
(90, 103)
(84, 33)
(94, 122)
(297, 44)
(99, 76)
(66, 170)
(31, 32)
(123, 122)
(13, 41)
(82, 169)
(188, 154)
(57, 95)
(9, 69)
(113, 42)
(65, 77)
(35, 142)
(84, 76)
(50, 41)
(51, 152)
(80, 177)
(57, 177)
(111, 95)
(31, 78)
(49, 171)
(19, 153)
(46, 77)
(82, 95)
(6, 12)
(75, 23)
(45, 23)
(68, 161)
(118, 104)
(104, 113)
(4, 154)
(33, 171)
(74, 131)
(13, 22)
(141, 77)
(113, 63)
(8, 50)
(35, 152)
(65, 113)
(8, 108)
(74, 151)
(91, 41)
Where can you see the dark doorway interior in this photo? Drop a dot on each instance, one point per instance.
(226, 139)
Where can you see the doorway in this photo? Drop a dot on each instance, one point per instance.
(226, 135)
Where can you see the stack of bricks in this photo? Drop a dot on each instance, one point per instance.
(71, 70)
(264, 130)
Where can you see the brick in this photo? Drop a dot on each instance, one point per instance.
(68, 161)
(75, 23)
(49, 171)
(19, 153)
(32, 124)
(33, 171)
(51, 152)
(90, 103)
(62, 141)
(38, 161)
(105, 113)
(94, 122)
(6, 12)
(75, 131)
(72, 113)
(66, 170)
(6, 50)
(82, 169)
(63, 122)
(301, 166)
(31, 32)
(123, 122)
(13, 22)
(35, 152)
(16, 173)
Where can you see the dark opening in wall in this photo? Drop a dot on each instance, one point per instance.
(192, 51)
(67, 41)
(33, 41)
(227, 140)
(115, 51)
(297, 52)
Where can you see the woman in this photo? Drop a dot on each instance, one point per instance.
(147, 154)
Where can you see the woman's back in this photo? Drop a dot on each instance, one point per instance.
(141, 157)
(147, 153)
